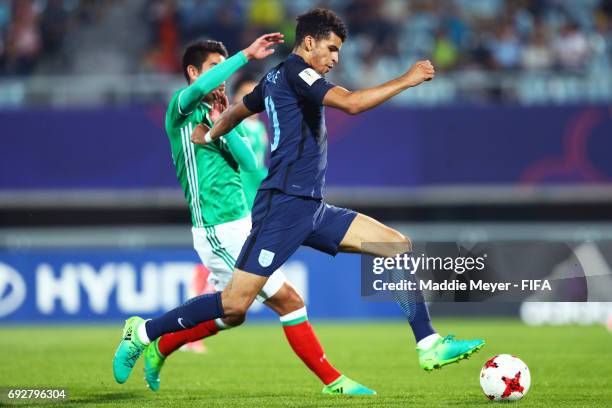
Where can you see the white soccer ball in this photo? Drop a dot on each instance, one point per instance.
(505, 378)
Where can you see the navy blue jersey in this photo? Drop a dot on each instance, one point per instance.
(292, 95)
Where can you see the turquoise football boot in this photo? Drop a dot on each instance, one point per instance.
(153, 363)
(346, 386)
(447, 350)
(128, 351)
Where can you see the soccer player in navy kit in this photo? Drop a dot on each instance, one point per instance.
(289, 210)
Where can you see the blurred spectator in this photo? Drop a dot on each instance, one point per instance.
(385, 36)
(506, 48)
(164, 54)
(226, 26)
(537, 55)
(456, 25)
(266, 14)
(571, 47)
(53, 26)
(445, 54)
(23, 42)
(194, 16)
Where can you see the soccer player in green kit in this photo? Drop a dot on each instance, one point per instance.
(210, 175)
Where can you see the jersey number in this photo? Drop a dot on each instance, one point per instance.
(273, 117)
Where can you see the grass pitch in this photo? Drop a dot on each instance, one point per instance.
(253, 366)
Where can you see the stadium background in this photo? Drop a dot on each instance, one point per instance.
(511, 141)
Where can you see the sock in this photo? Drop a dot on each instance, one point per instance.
(141, 333)
(173, 341)
(305, 344)
(421, 322)
(188, 315)
(221, 325)
(413, 305)
(427, 342)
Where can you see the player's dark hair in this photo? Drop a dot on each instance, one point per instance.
(241, 80)
(197, 52)
(319, 23)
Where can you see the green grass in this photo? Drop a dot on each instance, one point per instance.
(254, 367)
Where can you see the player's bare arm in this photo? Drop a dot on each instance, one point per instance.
(228, 120)
(219, 104)
(239, 148)
(362, 100)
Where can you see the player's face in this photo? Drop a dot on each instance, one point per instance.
(244, 89)
(212, 60)
(326, 53)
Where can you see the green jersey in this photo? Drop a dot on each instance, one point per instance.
(208, 174)
(255, 133)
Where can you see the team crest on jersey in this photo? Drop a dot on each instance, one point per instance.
(265, 258)
(309, 76)
(272, 76)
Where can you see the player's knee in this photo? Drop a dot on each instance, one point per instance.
(407, 242)
(235, 320)
(401, 242)
(235, 309)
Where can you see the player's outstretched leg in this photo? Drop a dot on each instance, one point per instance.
(137, 333)
(289, 305)
(232, 303)
(433, 350)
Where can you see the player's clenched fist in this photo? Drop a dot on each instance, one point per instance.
(260, 48)
(419, 72)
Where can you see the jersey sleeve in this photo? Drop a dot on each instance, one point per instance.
(173, 115)
(190, 97)
(254, 101)
(241, 150)
(308, 83)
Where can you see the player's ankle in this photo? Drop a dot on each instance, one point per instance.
(427, 342)
(141, 333)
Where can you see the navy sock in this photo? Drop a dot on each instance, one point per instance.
(188, 315)
(413, 305)
(421, 323)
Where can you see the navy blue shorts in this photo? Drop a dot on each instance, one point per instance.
(282, 222)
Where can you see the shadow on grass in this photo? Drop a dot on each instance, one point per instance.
(104, 397)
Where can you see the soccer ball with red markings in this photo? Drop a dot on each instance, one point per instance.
(505, 378)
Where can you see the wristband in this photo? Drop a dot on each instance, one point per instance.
(207, 138)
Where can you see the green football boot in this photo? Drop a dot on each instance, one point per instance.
(346, 386)
(128, 351)
(153, 363)
(447, 350)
